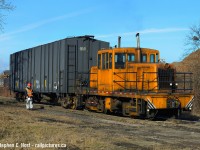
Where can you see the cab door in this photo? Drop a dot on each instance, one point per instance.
(119, 75)
(105, 71)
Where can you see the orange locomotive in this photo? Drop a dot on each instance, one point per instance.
(133, 82)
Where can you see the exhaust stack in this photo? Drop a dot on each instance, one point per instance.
(119, 41)
(138, 47)
(138, 40)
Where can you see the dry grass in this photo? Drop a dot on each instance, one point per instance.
(89, 131)
(18, 125)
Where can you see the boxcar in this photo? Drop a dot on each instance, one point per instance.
(56, 69)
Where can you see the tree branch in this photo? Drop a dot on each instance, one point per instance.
(5, 5)
(192, 40)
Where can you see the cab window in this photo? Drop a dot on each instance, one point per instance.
(119, 60)
(99, 61)
(131, 57)
(110, 61)
(152, 58)
(144, 57)
(157, 57)
(105, 61)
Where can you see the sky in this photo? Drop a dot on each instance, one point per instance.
(162, 24)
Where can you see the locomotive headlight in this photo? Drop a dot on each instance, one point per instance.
(176, 84)
(147, 110)
(170, 84)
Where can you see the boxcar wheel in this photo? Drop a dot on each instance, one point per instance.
(64, 104)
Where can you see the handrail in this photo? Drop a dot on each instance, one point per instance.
(185, 81)
(155, 83)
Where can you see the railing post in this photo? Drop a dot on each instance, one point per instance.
(142, 81)
(136, 80)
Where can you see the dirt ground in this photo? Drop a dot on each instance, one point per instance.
(77, 130)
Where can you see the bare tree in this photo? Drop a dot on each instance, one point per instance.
(193, 39)
(5, 5)
(192, 62)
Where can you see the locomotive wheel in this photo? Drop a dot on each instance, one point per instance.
(101, 106)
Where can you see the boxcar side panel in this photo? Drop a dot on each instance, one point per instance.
(37, 51)
(63, 65)
(17, 70)
(83, 60)
(25, 69)
(29, 66)
(57, 67)
(71, 65)
(50, 68)
(42, 68)
(46, 68)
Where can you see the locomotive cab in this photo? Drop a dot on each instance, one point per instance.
(121, 69)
